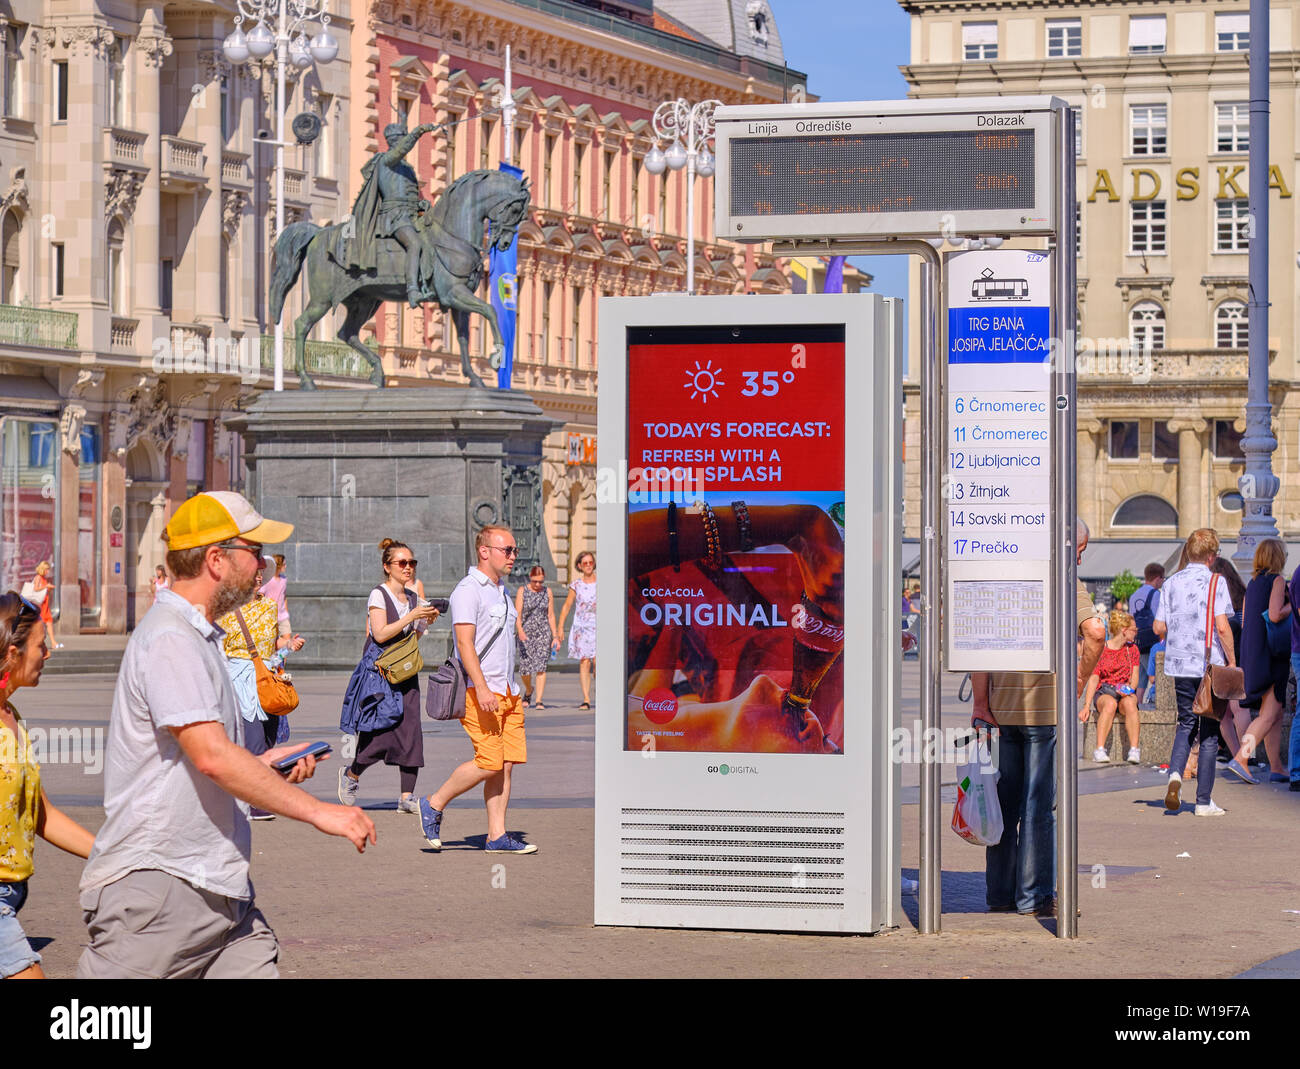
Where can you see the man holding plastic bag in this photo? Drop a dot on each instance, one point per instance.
(1020, 707)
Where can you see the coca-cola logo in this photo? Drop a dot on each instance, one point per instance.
(660, 705)
(803, 620)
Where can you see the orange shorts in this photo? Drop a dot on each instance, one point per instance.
(497, 737)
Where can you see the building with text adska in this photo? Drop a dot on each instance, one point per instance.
(136, 221)
(587, 76)
(1159, 91)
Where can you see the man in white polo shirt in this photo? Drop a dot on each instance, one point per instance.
(483, 616)
(166, 892)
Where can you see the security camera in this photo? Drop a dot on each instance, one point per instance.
(263, 135)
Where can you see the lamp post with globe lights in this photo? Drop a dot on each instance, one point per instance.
(290, 44)
(689, 126)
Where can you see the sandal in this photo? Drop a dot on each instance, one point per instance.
(540, 705)
(585, 705)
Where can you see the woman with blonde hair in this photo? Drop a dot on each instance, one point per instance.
(1191, 599)
(1266, 672)
(1113, 684)
(41, 585)
(582, 640)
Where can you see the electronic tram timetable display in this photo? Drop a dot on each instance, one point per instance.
(965, 170)
(851, 170)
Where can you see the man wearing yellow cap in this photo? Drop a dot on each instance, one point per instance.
(166, 891)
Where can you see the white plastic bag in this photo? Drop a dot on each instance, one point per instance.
(977, 816)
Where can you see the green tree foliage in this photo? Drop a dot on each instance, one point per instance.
(1123, 585)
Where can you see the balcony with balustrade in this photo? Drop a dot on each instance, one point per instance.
(38, 328)
(297, 190)
(333, 359)
(184, 165)
(235, 172)
(125, 148)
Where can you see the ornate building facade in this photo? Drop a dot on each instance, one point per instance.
(1159, 89)
(586, 79)
(137, 222)
(135, 211)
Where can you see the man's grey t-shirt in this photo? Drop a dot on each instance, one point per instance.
(160, 811)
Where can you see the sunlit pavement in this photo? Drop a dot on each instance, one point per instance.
(401, 910)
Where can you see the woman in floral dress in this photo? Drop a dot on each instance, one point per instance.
(537, 633)
(582, 640)
(25, 811)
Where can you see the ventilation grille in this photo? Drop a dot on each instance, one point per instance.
(758, 859)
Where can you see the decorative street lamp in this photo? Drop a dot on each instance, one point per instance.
(689, 126)
(290, 45)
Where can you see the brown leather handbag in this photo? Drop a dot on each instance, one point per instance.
(1220, 684)
(275, 693)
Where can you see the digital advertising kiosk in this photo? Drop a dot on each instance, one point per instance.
(749, 520)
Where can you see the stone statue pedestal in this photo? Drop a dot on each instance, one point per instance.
(427, 466)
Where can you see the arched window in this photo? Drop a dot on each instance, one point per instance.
(1145, 510)
(116, 268)
(1146, 326)
(11, 244)
(1231, 328)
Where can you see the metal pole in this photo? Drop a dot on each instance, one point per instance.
(690, 209)
(508, 115)
(931, 654)
(1065, 506)
(1258, 484)
(281, 58)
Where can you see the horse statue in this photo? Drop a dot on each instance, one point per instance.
(450, 257)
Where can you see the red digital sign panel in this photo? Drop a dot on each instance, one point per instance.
(735, 499)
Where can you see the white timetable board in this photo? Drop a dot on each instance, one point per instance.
(998, 524)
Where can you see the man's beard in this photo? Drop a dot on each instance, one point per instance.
(231, 594)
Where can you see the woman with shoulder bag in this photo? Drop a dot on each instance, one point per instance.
(1265, 666)
(254, 629)
(1181, 619)
(385, 716)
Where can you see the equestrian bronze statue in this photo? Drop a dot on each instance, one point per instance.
(396, 246)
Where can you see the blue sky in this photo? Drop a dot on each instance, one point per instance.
(851, 50)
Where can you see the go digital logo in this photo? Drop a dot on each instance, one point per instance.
(734, 770)
(659, 705)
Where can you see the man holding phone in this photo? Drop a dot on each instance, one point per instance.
(165, 892)
(484, 619)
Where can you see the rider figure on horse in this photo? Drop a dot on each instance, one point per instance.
(388, 203)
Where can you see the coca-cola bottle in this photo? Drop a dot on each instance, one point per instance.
(818, 641)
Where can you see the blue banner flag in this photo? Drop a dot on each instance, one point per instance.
(834, 276)
(502, 285)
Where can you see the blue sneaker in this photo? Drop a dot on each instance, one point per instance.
(431, 823)
(507, 844)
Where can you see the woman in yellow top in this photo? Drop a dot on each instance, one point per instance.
(25, 812)
(262, 618)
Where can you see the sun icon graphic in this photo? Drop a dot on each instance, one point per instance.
(703, 381)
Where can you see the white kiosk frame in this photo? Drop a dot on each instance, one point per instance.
(661, 815)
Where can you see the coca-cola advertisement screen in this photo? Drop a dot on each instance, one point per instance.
(735, 539)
